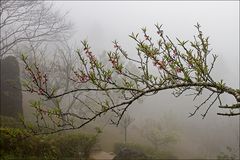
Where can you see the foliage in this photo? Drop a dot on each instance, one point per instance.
(119, 146)
(158, 135)
(74, 145)
(228, 155)
(10, 122)
(150, 152)
(14, 144)
(184, 67)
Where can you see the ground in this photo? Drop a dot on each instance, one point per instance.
(100, 155)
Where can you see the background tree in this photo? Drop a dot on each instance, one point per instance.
(181, 66)
(59, 68)
(125, 122)
(28, 26)
(157, 135)
(34, 22)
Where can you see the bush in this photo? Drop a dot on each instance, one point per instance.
(130, 153)
(74, 145)
(148, 151)
(229, 154)
(15, 145)
(11, 122)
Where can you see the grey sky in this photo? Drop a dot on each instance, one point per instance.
(101, 22)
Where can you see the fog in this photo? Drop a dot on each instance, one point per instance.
(101, 22)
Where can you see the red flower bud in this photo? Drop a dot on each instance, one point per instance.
(178, 70)
(161, 64)
(190, 65)
(146, 37)
(175, 51)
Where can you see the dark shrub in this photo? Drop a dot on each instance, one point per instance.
(131, 151)
(10, 122)
(74, 145)
(15, 145)
(130, 154)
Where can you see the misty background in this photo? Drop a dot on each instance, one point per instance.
(102, 22)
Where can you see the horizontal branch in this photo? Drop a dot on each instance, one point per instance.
(228, 114)
(234, 106)
(93, 89)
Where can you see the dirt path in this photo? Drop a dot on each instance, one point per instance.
(101, 155)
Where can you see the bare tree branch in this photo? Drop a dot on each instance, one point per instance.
(24, 21)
